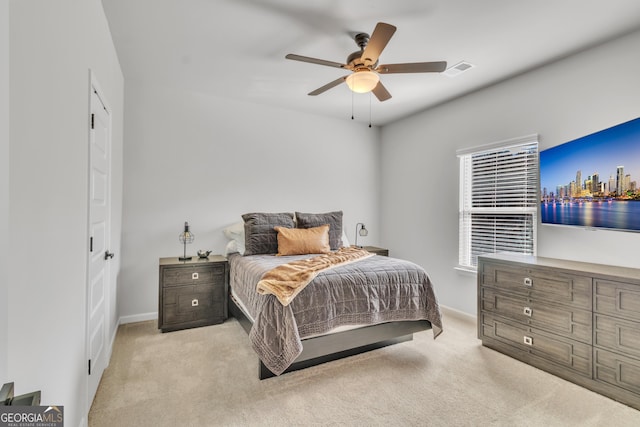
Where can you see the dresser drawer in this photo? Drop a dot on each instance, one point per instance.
(618, 335)
(563, 320)
(617, 370)
(544, 284)
(553, 348)
(193, 303)
(173, 276)
(617, 299)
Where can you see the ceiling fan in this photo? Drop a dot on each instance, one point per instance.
(364, 64)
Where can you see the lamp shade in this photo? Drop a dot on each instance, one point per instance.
(185, 237)
(362, 81)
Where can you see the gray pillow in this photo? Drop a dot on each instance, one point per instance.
(334, 219)
(259, 235)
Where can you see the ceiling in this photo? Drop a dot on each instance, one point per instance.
(236, 49)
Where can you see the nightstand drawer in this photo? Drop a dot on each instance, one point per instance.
(192, 275)
(193, 303)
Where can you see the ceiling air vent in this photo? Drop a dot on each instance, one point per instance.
(457, 69)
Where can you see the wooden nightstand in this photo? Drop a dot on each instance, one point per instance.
(376, 250)
(192, 293)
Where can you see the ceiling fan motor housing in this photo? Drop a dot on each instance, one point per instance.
(355, 60)
(361, 40)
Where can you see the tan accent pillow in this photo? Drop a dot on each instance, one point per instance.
(302, 241)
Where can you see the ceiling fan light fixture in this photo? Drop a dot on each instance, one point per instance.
(362, 81)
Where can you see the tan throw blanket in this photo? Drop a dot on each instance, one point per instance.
(288, 280)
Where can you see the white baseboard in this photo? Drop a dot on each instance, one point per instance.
(448, 311)
(111, 343)
(138, 318)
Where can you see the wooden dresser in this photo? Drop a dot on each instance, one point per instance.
(192, 293)
(579, 321)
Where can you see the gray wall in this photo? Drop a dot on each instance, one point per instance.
(207, 160)
(4, 185)
(52, 47)
(573, 97)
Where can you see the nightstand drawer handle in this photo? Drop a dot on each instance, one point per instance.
(528, 340)
(194, 303)
(527, 311)
(194, 276)
(528, 281)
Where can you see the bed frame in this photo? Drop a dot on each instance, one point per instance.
(325, 348)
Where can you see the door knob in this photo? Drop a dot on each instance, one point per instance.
(108, 254)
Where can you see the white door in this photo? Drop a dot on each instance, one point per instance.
(99, 232)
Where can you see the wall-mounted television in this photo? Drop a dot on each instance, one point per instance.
(593, 181)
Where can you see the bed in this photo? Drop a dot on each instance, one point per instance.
(347, 309)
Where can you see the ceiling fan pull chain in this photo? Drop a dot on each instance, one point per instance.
(369, 109)
(351, 105)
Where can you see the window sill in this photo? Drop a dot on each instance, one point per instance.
(466, 270)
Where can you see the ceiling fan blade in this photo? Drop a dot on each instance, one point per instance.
(328, 86)
(315, 61)
(381, 92)
(378, 41)
(413, 67)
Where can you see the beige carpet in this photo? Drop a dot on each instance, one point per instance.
(208, 377)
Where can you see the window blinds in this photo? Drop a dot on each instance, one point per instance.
(498, 200)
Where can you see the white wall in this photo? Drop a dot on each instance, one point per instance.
(579, 95)
(206, 160)
(4, 184)
(53, 45)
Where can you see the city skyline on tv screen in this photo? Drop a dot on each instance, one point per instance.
(593, 181)
(601, 153)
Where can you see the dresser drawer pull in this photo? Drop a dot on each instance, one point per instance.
(528, 282)
(194, 302)
(528, 340)
(194, 276)
(527, 311)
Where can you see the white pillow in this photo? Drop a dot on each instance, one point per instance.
(235, 233)
(234, 230)
(231, 248)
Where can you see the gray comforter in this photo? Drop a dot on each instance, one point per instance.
(374, 290)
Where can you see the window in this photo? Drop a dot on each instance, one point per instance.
(498, 199)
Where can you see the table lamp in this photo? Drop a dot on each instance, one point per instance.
(185, 237)
(362, 232)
